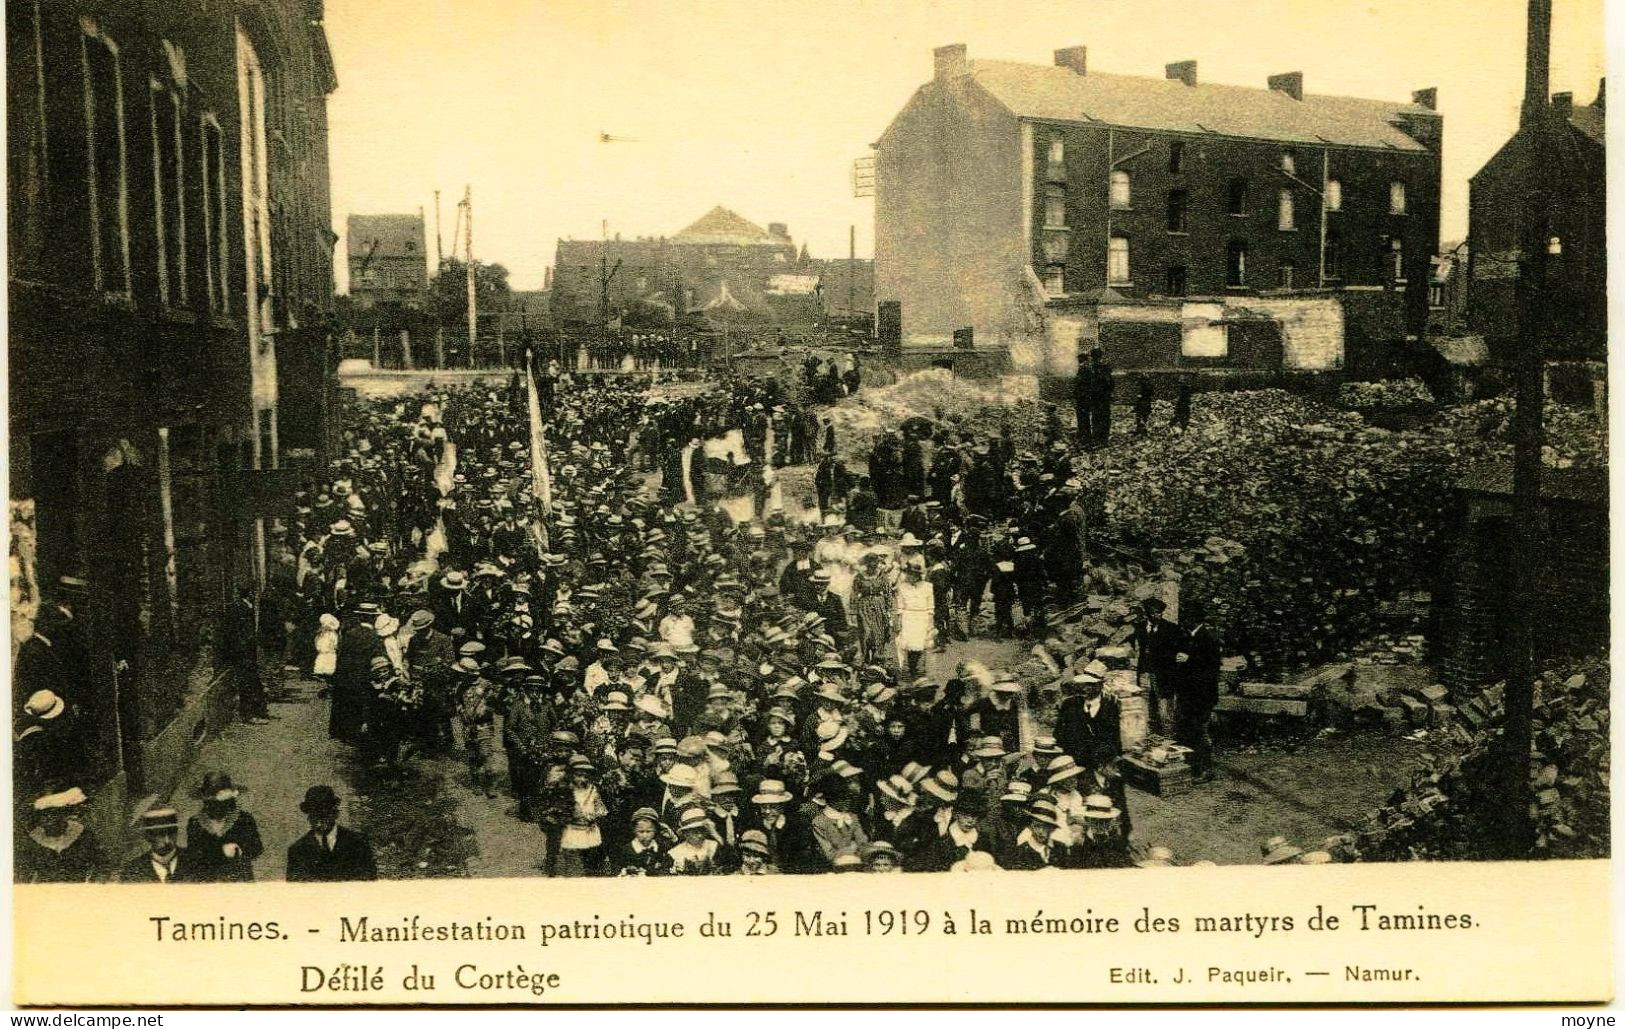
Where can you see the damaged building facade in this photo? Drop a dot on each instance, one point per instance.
(1178, 224)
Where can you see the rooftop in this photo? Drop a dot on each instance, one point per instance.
(1131, 101)
(722, 226)
(385, 235)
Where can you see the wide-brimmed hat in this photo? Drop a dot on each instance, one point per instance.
(1061, 769)
(944, 786)
(218, 786)
(754, 841)
(1278, 850)
(651, 705)
(680, 775)
(1044, 810)
(386, 625)
(342, 527)
(725, 782)
(831, 735)
(73, 796)
(896, 788)
(1098, 805)
(771, 791)
(44, 705)
(454, 580)
(1045, 745)
(1018, 791)
(421, 619)
(695, 818)
(616, 700)
(830, 692)
(989, 746)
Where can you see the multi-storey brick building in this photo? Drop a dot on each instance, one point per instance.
(170, 271)
(1576, 288)
(387, 261)
(1009, 197)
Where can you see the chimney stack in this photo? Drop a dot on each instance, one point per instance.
(778, 229)
(1184, 71)
(1290, 83)
(951, 61)
(1428, 98)
(1074, 57)
(1563, 105)
(1602, 95)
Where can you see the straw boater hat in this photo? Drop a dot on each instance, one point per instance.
(159, 819)
(1062, 769)
(881, 848)
(1278, 851)
(944, 786)
(1043, 810)
(1019, 791)
(897, 788)
(754, 841)
(831, 735)
(771, 791)
(989, 746)
(696, 818)
(1100, 806)
(680, 775)
(454, 580)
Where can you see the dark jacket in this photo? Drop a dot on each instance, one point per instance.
(1199, 678)
(207, 854)
(1091, 742)
(139, 869)
(349, 860)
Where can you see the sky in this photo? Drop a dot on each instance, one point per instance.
(763, 106)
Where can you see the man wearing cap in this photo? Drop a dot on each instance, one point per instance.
(165, 860)
(429, 655)
(1040, 844)
(1156, 644)
(330, 852)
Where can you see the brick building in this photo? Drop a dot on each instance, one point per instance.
(1473, 604)
(1577, 282)
(387, 260)
(722, 262)
(1016, 199)
(170, 272)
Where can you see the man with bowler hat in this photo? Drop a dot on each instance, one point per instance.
(329, 852)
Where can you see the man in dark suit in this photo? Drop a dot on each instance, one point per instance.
(38, 665)
(352, 676)
(165, 861)
(329, 852)
(1198, 689)
(240, 645)
(1088, 724)
(796, 581)
(789, 838)
(1157, 642)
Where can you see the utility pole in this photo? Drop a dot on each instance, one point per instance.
(606, 274)
(851, 269)
(439, 255)
(468, 257)
(1528, 431)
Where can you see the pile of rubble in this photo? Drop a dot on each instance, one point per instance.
(1450, 809)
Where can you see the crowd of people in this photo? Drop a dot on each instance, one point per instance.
(664, 686)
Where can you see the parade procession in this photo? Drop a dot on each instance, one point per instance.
(1157, 490)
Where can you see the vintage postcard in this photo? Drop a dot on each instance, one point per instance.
(520, 502)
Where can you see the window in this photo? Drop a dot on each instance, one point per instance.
(1057, 157)
(1235, 264)
(169, 177)
(1289, 164)
(1176, 156)
(1054, 207)
(213, 178)
(1288, 272)
(1435, 295)
(1176, 210)
(1396, 198)
(109, 188)
(1122, 195)
(1396, 259)
(1117, 261)
(1055, 279)
(1055, 247)
(1238, 196)
(1334, 195)
(1286, 220)
(1334, 254)
(256, 194)
(1174, 281)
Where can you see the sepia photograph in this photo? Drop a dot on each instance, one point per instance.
(515, 440)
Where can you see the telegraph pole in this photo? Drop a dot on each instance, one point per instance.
(1528, 432)
(468, 258)
(439, 255)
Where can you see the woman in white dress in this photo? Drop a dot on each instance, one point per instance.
(916, 618)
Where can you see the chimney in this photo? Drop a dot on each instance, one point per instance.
(778, 230)
(951, 61)
(1290, 83)
(1428, 98)
(1184, 71)
(1602, 94)
(1074, 57)
(1563, 105)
